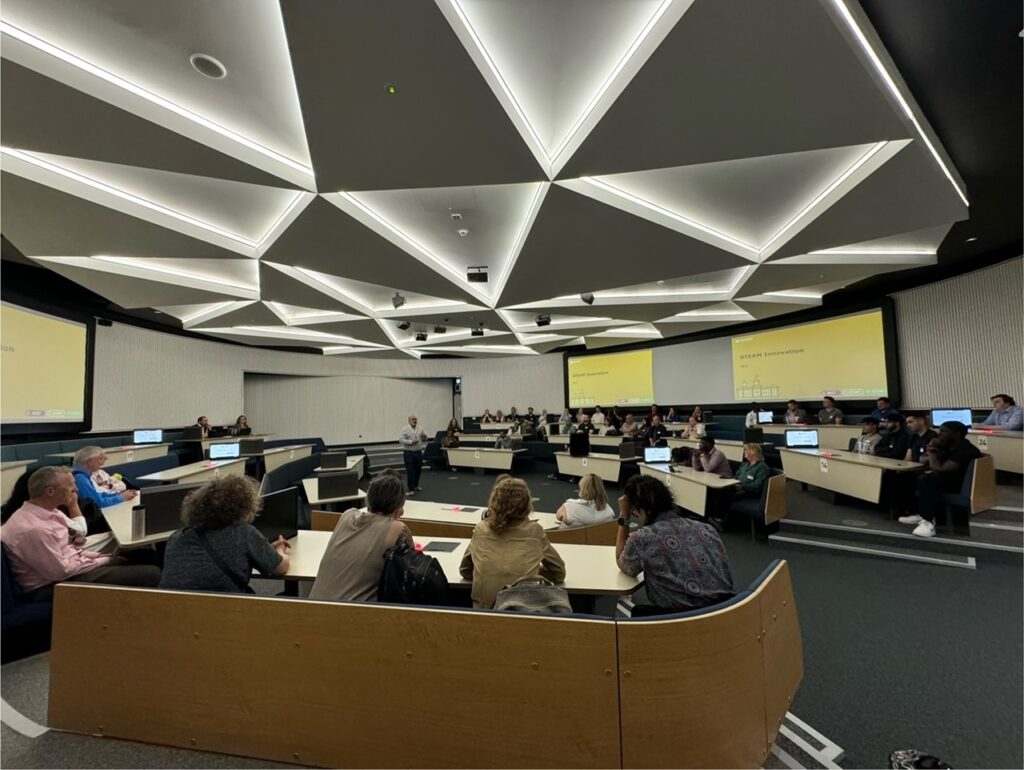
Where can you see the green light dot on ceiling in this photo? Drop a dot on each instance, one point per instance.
(391, 89)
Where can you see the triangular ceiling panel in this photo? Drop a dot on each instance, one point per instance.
(43, 115)
(441, 126)
(253, 314)
(738, 79)
(573, 233)
(365, 330)
(635, 311)
(673, 329)
(783, 276)
(277, 286)
(325, 239)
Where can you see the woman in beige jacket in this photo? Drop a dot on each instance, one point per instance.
(507, 546)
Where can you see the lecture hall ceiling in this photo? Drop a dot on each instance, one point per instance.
(688, 164)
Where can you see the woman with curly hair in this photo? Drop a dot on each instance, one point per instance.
(507, 546)
(219, 547)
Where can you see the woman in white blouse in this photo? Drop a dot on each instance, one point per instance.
(591, 507)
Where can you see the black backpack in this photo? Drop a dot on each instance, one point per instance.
(411, 577)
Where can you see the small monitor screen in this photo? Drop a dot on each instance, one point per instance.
(801, 438)
(940, 416)
(147, 436)
(224, 451)
(764, 417)
(279, 514)
(657, 454)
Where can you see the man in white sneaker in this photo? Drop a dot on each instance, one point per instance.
(945, 459)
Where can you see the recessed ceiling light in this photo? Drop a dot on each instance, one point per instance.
(661, 283)
(463, 232)
(207, 66)
(456, 216)
(391, 89)
(972, 239)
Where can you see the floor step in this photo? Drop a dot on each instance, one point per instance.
(868, 548)
(983, 539)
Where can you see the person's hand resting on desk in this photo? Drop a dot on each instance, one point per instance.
(129, 494)
(281, 545)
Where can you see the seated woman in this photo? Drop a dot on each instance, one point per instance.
(86, 464)
(683, 560)
(241, 426)
(507, 546)
(673, 415)
(219, 547)
(354, 560)
(499, 416)
(565, 421)
(451, 434)
(697, 414)
(487, 417)
(753, 472)
(591, 507)
(541, 425)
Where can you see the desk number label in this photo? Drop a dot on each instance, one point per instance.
(216, 471)
(823, 464)
(291, 454)
(476, 455)
(983, 443)
(129, 455)
(584, 462)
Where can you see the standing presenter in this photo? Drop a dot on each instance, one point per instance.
(413, 439)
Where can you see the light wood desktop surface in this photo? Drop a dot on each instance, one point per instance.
(595, 439)
(482, 457)
(605, 466)
(490, 427)
(848, 473)
(10, 472)
(312, 487)
(689, 487)
(205, 442)
(275, 457)
(423, 510)
(126, 454)
(352, 463)
(204, 470)
(589, 569)
(829, 436)
(119, 517)
(1006, 448)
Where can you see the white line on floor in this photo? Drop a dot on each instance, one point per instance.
(19, 722)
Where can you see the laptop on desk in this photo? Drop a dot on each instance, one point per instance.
(765, 418)
(803, 438)
(334, 460)
(250, 446)
(147, 436)
(226, 451)
(192, 433)
(336, 485)
(657, 454)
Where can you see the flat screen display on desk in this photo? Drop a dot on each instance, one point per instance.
(279, 514)
(163, 507)
(802, 439)
(226, 451)
(657, 454)
(940, 416)
(147, 436)
(765, 418)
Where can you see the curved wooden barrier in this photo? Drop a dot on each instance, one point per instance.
(196, 670)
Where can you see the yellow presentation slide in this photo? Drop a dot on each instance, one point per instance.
(613, 379)
(42, 378)
(841, 357)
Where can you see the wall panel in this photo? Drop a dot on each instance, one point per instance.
(960, 340)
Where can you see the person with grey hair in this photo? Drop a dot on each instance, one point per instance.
(41, 552)
(87, 461)
(413, 440)
(354, 560)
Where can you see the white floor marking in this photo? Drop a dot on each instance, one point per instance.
(18, 722)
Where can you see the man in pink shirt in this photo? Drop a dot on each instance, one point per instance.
(711, 460)
(42, 553)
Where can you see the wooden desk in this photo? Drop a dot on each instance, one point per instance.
(589, 569)
(494, 427)
(605, 466)
(119, 517)
(829, 436)
(312, 487)
(205, 470)
(275, 457)
(689, 487)
(446, 513)
(848, 473)
(595, 439)
(1005, 446)
(481, 457)
(10, 472)
(205, 442)
(352, 463)
(733, 450)
(126, 454)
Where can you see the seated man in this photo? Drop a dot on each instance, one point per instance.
(883, 408)
(204, 426)
(919, 435)
(869, 436)
(1006, 415)
(630, 428)
(656, 433)
(586, 426)
(709, 459)
(830, 414)
(945, 459)
(87, 461)
(751, 420)
(41, 552)
(895, 441)
(794, 414)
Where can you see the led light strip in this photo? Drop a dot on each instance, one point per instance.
(109, 77)
(359, 304)
(844, 12)
(140, 263)
(602, 185)
(874, 253)
(212, 311)
(713, 314)
(789, 295)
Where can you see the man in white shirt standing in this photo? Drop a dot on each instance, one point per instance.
(413, 439)
(751, 421)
